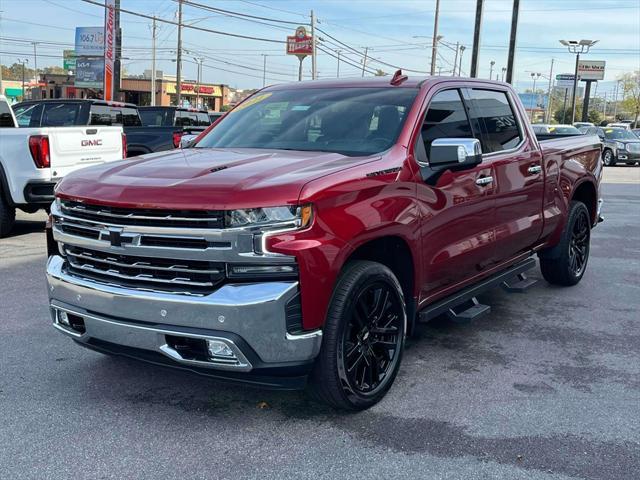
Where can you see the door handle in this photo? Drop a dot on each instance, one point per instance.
(534, 169)
(484, 181)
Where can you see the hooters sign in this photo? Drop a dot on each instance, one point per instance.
(109, 47)
(300, 44)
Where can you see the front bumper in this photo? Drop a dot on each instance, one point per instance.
(249, 318)
(626, 156)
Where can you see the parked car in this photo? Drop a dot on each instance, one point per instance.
(301, 239)
(33, 159)
(554, 130)
(619, 145)
(623, 125)
(91, 112)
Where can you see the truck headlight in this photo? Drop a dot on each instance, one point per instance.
(620, 146)
(270, 217)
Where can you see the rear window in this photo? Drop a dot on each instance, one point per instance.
(109, 115)
(497, 120)
(203, 119)
(156, 117)
(28, 115)
(60, 114)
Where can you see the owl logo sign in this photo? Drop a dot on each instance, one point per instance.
(300, 44)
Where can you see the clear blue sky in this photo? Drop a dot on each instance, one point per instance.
(387, 27)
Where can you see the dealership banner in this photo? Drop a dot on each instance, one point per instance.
(109, 47)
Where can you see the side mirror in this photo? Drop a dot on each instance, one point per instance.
(455, 152)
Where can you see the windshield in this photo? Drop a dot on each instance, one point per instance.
(350, 121)
(619, 134)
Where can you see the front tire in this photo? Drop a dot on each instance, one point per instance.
(7, 217)
(566, 263)
(363, 338)
(609, 158)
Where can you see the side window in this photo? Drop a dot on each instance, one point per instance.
(60, 114)
(116, 116)
(445, 118)
(182, 119)
(203, 119)
(100, 115)
(497, 120)
(28, 115)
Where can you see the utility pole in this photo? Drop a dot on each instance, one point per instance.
(179, 57)
(462, 49)
(547, 118)
(512, 40)
(475, 54)
(153, 62)
(364, 61)
(198, 79)
(455, 61)
(491, 65)
(338, 69)
(35, 61)
(264, 70)
(23, 61)
(615, 101)
(434, 44)
(314, 67)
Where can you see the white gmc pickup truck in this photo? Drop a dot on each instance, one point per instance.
(33, 160)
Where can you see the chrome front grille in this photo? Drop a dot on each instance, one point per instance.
(633, 147)
(144, 217)
(177, 276)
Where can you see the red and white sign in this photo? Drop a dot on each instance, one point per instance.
(109, 47)
(300, 43)
(204, 89)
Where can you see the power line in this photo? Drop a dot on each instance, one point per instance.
(186, 25)
(237, 14)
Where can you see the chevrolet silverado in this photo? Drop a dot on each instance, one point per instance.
(300, 240)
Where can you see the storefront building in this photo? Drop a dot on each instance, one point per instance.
(206, 96)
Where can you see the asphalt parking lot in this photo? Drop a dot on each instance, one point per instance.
(546, 387)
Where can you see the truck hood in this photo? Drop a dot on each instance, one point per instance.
(204, 178)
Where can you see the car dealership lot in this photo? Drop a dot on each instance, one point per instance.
(546, 387)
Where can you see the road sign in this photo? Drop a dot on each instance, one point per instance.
(69, 60)
(300, 43)
(591, 70)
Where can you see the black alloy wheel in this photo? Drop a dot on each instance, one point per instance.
(579, 244)
(372, 338)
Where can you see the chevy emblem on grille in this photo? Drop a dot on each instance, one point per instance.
(115, 236)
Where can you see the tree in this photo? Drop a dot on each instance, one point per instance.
(564, 116)
(594, 116)
(630, 83)
(14, 72)
(55, 70)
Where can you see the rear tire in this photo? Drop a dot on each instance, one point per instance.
(363, 338)
(7, 217)
(609, 158)
(566, 263)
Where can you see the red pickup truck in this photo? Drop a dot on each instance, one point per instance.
(301, 239)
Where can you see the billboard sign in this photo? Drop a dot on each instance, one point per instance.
(300, 44)
(89, 72)
(89, 41)
(69, 60)
(109, 47)
(564, 80)
(591, 70)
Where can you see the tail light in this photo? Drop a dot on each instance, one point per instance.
(124, 146)
(177, 136)
(39, 148)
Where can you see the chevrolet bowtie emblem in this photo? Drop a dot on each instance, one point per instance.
(115, 236)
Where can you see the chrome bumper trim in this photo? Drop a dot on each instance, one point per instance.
(255, 312)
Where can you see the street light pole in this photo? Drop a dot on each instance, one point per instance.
(22, 62)
(179, 57)
(264, 70)
(504, 70)
(534, 76)
(338, 68)
(462, 49)
(577, 47)
(199, 79)
(491, 64)
(455, 61)
(153, 62)
(547, 116)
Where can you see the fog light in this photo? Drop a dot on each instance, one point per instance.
(63, 318)
(217, 348)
